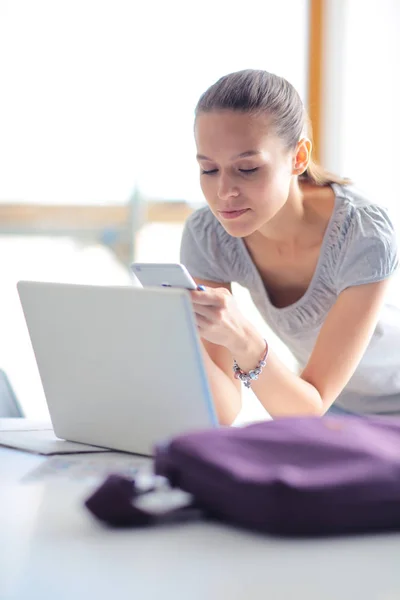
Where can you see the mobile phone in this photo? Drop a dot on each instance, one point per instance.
(173, 275)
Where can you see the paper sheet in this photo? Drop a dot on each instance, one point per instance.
(43, 442)
(89, 467)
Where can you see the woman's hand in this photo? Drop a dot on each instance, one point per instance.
(219, 319)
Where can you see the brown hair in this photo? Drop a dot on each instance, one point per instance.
(258, 91)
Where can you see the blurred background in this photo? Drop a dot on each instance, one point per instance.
(97, 158)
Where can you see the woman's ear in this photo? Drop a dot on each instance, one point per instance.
(302, 156)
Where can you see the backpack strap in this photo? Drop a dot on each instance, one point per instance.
(122, 502)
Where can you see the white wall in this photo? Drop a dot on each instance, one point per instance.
(362, 95)
(98, 94)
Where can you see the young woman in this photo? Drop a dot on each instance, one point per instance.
(315, 255)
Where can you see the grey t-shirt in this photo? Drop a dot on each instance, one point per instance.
(359, 247)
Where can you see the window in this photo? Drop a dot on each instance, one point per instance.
(98, 96)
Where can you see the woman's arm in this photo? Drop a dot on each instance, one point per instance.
(339, 348)
(225, 392)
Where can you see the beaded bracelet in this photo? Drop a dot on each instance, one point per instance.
(248, 378)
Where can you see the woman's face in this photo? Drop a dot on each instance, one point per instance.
(245, 170)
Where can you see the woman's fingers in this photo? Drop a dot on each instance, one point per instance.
(202, 322)
(210, 297)
(210, 312)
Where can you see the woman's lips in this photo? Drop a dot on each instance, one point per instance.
(232, 214)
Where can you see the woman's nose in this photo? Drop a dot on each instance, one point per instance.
(226, 188)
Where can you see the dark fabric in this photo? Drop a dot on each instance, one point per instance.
(113, 503)
(291, 476)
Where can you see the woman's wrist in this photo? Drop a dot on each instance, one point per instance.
(248, 348)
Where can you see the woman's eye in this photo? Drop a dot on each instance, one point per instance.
(209, 172)
(213, 171)
(249, 170)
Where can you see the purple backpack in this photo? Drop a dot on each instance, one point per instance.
(290, 476)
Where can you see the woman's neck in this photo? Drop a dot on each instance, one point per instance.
(303, 218)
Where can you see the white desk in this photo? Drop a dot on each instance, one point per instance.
(51, 549)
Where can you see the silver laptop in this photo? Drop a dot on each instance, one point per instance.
(121, 367)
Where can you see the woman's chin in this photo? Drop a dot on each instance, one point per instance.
(240, 227)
